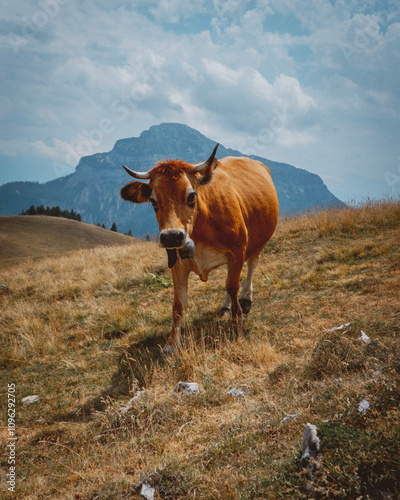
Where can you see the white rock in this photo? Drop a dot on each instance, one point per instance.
(311, 456)
(236, 393)
(147, 491)
(364, 406)
(130, 403)
(289, 418)
(364, 338)
(28, 400)
(311, 446)
(187, 387)
(341, 327)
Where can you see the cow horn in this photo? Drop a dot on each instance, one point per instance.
(137, 175)
(205, 164)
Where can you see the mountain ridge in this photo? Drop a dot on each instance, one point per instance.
(93, 189)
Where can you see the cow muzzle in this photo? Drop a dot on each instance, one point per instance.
(172, 238)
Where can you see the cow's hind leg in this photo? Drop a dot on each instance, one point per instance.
(246, 297)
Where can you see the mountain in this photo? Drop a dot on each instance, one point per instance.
(93, 189)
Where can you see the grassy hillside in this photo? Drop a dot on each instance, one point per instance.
(83, 331)
(34, 236)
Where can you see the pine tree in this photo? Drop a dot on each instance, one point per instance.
(113, 227)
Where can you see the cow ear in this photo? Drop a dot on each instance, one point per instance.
(206, 168)
(136, 192)
(206, 174)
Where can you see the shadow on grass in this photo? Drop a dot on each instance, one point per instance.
(209, 329)
(137, 363)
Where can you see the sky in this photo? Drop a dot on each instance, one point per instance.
(312, 83)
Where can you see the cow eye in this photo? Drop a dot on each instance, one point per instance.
(154, 203)
(191, 200)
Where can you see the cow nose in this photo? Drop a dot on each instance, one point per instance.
(172, 238)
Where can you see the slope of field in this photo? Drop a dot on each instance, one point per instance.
(34, 236)
(84, 332)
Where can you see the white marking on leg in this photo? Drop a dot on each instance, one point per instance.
(227, 302)
(247, 290)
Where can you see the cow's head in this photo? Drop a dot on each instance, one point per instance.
(172, 189)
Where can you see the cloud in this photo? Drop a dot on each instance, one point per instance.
(13, 148)
(100, 71)
(172, 11)
(61, 151)
(243, 102)
(288, 138)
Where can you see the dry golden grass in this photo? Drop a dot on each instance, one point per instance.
(84, 331)
(36, 236)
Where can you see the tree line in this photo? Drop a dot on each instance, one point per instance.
(57, 212)
(53, 212)
(113, 227)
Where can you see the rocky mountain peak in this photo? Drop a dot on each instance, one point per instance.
(93, 190)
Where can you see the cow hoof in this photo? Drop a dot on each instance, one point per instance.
(245, 305)
(169, 350)
(224, 311)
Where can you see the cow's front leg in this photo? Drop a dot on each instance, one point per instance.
(226, 306)
(180, 277)
(232, 287)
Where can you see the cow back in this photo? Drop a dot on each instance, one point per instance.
(238, 207)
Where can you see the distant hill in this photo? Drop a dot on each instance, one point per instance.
(24, 236)
(93, 189)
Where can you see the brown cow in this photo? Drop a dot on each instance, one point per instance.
(208, 217)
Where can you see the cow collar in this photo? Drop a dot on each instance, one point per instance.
(186, 252)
